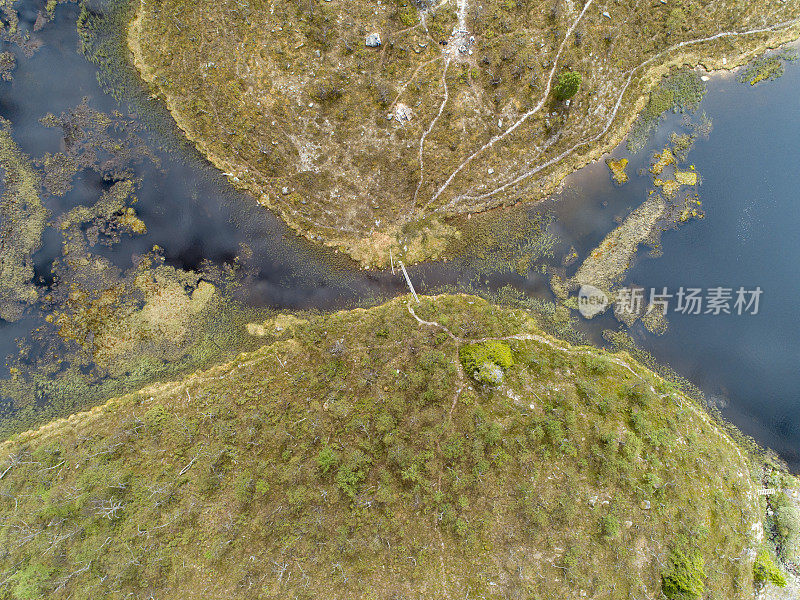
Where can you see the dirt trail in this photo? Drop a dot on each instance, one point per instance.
(609, 122)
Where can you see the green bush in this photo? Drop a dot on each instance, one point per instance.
(684, 578)
(766, 571)
(609, 527)
(352, 473)
(568, 85)
(482, 361)
(327, 459)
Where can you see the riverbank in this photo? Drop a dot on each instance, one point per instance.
(343, 170)
(365, 440)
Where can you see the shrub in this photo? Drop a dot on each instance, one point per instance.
(156, 417)
(554, 431)
(348, 478)
(609, 527)
(327, 459)
(352, 473)
(568, 85)
(244, 487)
(766, 571)
(684, 578)
(486, 361)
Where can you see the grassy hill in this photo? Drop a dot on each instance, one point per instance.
(463, 106)
(445, 449)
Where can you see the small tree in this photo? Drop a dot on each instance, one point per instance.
(568, 85)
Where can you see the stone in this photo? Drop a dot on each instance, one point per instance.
(490, 373)
(373, 40)
(402, 112)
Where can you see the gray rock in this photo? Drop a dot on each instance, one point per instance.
(490, 373)
(373, 40)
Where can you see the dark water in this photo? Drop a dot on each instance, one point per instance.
(746, 364)
(749, 237)
(190, 209)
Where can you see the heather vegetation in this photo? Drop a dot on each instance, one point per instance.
(354, 456)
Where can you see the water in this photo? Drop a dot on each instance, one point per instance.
(190, 209)
(749, 236)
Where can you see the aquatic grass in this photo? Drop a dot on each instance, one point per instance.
(617, 168)
(24, 218)
(680, 91)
